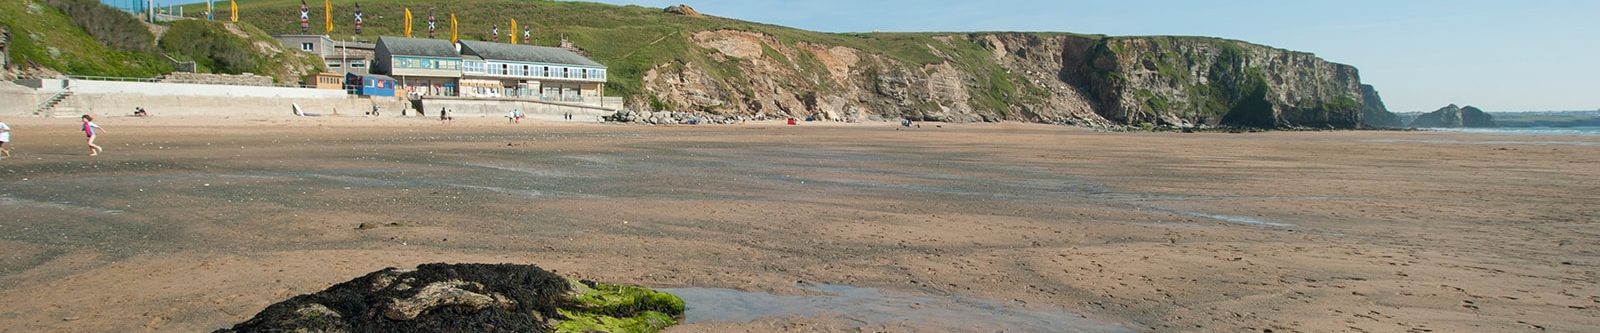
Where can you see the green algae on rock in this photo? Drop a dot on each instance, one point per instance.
(599, 307)
(470, 298)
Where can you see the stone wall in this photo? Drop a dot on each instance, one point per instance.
(86, 87)
(246, 79)
(498, 108)
(225, 107)
(18, 100)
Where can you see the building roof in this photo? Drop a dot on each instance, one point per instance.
(526, 53)
(419, 47)
(375, 76)
(356, 45)
(302, 36)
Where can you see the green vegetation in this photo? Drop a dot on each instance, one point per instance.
(1341, 103)
(629, 40)
(237, 49)
(770, 52)
(44, 36)
(108, 25)
(211, 47)
(611, 308)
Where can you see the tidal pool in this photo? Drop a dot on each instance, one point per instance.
(865, 307)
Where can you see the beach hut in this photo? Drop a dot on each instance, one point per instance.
(369, 85)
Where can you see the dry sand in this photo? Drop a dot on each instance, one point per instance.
(196, 224)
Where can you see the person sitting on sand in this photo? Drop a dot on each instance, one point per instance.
(90, 129)
(444, 115)
(140, 112)
(5, 137)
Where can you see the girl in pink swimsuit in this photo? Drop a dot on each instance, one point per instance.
(89, 129)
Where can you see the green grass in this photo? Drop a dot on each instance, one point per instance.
(211, 47)
(44, 36)
(618, 309)
(629, 40)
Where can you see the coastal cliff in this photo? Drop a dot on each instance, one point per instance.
(1374, 114)
(691, 65)
(1051, 78)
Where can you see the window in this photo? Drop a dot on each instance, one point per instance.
(566, 73)
(308, 47)
(584, 72)
(335, 65)
(504, 68)
(524, 71)
(358, 64)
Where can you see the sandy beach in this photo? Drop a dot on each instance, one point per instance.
(194, 224)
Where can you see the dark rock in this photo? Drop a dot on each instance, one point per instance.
(432, 298)
(1373, 113)
(1452, 116)
(684, 10)
(470, 298)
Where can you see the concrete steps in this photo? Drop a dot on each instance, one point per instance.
(51, 106)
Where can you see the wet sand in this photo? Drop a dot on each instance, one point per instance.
(196, 224)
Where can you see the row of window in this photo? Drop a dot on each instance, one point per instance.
(479, 67)
(427, 63)
(353, 64)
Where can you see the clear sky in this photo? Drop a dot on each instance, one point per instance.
(1421, 54)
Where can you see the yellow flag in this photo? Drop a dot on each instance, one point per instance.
(408, 22)
(327, 8)
(454, 35)
(233, 8)
(513, 31)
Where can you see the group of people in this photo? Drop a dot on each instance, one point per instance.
(90, 129)
(515, 116)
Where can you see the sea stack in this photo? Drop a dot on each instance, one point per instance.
(1452, 116)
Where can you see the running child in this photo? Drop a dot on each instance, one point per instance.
(90, 129)
(5, 137)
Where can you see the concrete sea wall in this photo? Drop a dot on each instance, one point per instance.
(117, 98)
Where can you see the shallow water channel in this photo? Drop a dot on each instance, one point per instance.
(870, 307)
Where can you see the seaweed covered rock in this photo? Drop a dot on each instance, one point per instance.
(469, 298)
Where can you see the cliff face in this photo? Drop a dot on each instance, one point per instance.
(754, 74)
(1374, 114)
(1182, 80)
(1452, 116)
(1071, 79)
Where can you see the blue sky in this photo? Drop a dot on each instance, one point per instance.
(1421, 54)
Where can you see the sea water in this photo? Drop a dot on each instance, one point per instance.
(1585, 130)
(871, 307)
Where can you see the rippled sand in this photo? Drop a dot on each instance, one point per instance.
(195, 224)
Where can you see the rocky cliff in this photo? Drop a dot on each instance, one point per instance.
(707, 67)
(1452, 116)
(1374, 114)
(1053, 78)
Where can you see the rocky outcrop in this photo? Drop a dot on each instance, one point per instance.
(1050, 78)
(468, 298)
(1452, 116)
(1184, 81)
(684, 10)
(1373, 113)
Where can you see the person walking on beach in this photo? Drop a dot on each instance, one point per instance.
(5, 137)
(90, 129)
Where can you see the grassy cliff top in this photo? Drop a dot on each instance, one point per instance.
(43, 35)
(628, 39)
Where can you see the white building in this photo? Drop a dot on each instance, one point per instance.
(524, 71)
